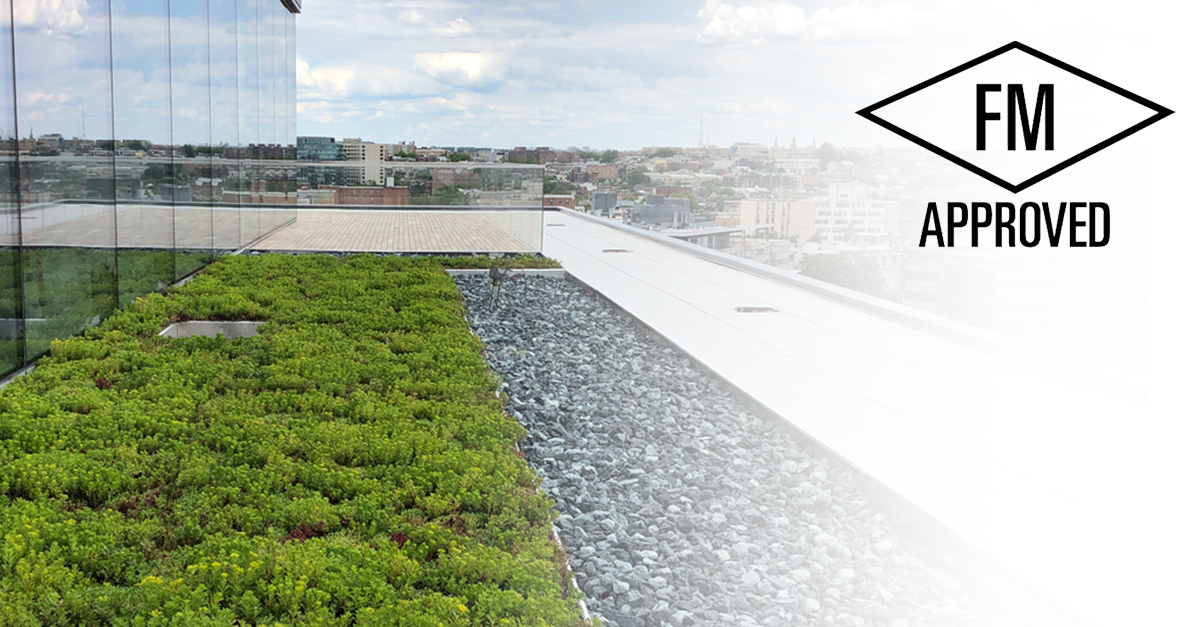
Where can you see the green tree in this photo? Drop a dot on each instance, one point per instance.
(189, 151)
(551, 185)
(460, 156)
(637, 176)
(609, 156)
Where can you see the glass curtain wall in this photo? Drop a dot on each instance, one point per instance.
(133, 135)
(12, 320)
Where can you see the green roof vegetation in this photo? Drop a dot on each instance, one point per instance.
(349, 465)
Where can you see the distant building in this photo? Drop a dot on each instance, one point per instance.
(663, 212)
(849, 210)
(794, 218)
(319, 149)
(749, 151)
(715, 238)
(604, 203)
(773, 252)
(565, 201)
(324, 196)
(430, 154)
(727, 219)
(462, 178)
(50, 144)
(371, 154)
(601, 172)
(668, 190)
(359, 195)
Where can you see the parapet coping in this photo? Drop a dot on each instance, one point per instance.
(960, 333)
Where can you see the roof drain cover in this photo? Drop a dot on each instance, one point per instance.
(756, 310)
(617, 250)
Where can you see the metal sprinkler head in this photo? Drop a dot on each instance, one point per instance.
(497, 275)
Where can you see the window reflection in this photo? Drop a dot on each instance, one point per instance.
(190, 132)
(12, 324)
(66, 172)
(144, 150)
(143, 138)
(223, 86)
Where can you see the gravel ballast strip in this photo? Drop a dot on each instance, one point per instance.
(679, 506)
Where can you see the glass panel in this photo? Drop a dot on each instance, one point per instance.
(287, 210)
(248, 101)
(223, 52)
(146, 187)
(190, 129)
(12, 324)
(64, 109)
(266, 110)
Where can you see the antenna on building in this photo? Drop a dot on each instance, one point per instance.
(701, 138)
(82, 122)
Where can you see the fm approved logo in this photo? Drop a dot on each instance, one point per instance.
(1015, 116)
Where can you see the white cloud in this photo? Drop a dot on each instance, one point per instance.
(862, 21)
(464, 69)
(457, 27)
(755, 20)
(52, 17)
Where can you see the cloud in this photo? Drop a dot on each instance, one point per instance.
(859, 21)
(52, 17)
(756, 21)
(462, 69)
(617, 74)
(753, 21)
(457, 27)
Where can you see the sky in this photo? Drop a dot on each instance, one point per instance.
(620, 74)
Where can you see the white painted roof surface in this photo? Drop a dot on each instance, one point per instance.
(1036, 470)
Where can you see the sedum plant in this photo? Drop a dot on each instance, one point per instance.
(349, 465)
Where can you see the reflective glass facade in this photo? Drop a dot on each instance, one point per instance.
(139, 139)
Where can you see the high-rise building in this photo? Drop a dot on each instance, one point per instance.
(786, 217)
(372, 154)
(182, 114)
(850, 211)
(319, 149)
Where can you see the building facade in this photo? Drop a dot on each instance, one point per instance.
(170, 139)
(604, 203)
(787, 218)
(850, 212)
(319, 149)
(372, 155)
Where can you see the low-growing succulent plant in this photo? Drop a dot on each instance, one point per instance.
(349, 465)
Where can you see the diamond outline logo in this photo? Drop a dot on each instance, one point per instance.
(1160, 113)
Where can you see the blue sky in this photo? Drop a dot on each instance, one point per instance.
(605, 74)
(602, 74)
(631, 74)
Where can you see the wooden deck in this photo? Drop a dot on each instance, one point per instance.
(317, 230)
(394, 231)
